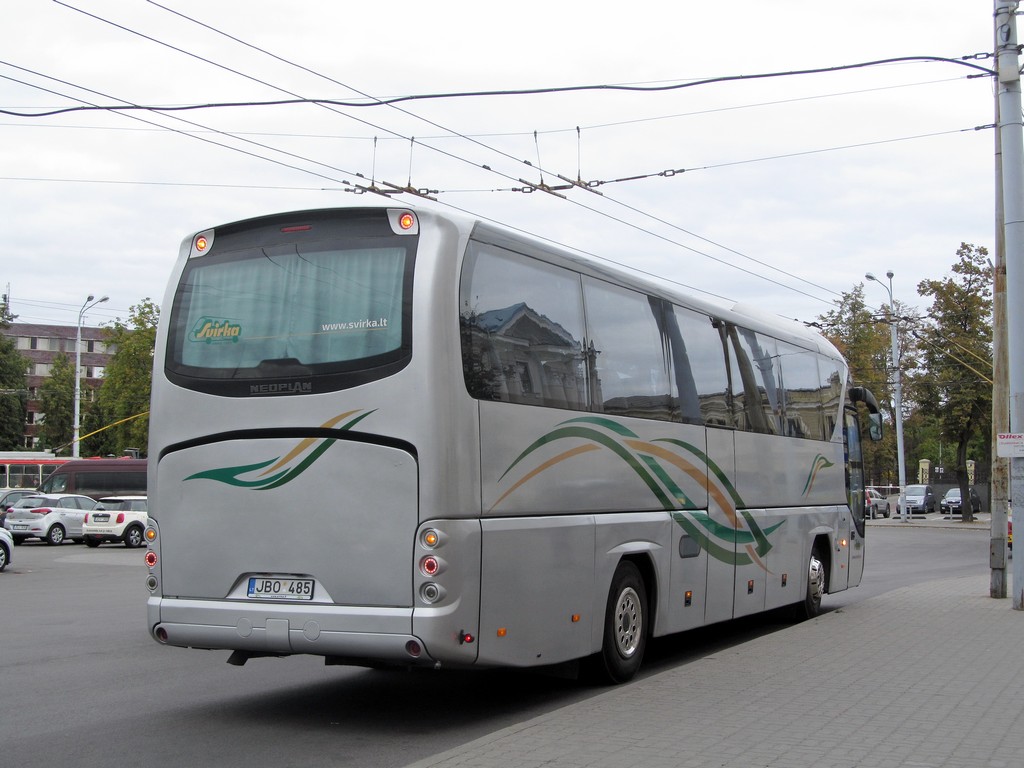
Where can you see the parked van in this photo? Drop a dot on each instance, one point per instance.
(98, 478)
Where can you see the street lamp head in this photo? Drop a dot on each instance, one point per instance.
(870, 276)
(107, 298)
(888, 274)
(89, 298)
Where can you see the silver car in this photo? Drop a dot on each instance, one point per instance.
(6, 548)
(921, 500)
(52, 517)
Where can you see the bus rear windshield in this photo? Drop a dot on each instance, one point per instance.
(314, 316)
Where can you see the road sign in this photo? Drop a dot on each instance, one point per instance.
(1010, 445)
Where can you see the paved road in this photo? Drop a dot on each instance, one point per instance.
(82, 684)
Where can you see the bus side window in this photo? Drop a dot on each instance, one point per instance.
(629, 374)
(700, 357)
(522, 330)
(801, 393)
(755, 385)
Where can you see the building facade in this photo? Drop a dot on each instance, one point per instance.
(41, 344)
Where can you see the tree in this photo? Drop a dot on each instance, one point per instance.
(57, 402)
(862, 335)
(123, 398)
(956, 388)
(13, 387)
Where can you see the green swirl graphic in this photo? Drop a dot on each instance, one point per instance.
(234, 476)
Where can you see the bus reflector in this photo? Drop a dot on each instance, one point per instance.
(413, 649)
(575, 618)
(502, 632)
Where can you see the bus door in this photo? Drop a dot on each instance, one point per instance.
(722, 567)
(852, 525)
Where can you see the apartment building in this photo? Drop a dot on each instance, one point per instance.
(40, 344)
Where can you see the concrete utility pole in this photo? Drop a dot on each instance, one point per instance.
(1011, 133)
(1000, 413)
(1000, 482)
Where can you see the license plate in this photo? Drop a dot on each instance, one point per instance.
(18, 527)
(101, 518)
(273, 588)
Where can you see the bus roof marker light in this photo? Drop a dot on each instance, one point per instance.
(403, 221)
(202, 242)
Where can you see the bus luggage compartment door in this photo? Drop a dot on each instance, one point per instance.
(234, 509)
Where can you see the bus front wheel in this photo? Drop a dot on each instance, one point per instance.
(625, 625)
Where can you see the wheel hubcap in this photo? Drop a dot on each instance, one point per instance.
(816, 580)
(628, 622)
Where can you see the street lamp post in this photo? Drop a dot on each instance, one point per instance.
(897, 395)
(90, 302)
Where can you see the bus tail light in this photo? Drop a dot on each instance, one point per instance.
(151, 559)
(430, 565)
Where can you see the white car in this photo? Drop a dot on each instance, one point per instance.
(117, 519)
(52, 517)
(6, 548)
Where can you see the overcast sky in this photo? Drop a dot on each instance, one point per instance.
(779, 192)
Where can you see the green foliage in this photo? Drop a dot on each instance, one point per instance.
(57, 402)
(13, 396)
(863, 336)
(956, 386)
(122, 403)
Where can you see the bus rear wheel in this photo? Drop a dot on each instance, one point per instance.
(625, 626)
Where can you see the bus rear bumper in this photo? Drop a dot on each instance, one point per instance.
(342, 632)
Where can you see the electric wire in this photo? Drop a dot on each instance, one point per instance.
(646, 88)
(540, 170)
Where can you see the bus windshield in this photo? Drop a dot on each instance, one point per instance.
(291, 310)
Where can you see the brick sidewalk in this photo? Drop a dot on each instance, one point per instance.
(922, 676)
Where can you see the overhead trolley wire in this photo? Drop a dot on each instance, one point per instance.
(391, 101)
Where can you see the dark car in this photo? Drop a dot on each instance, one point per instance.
(9, 498)
(951, 503)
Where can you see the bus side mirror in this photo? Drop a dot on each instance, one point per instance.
(875, 426)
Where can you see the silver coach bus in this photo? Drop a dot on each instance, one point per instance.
(389, 436)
